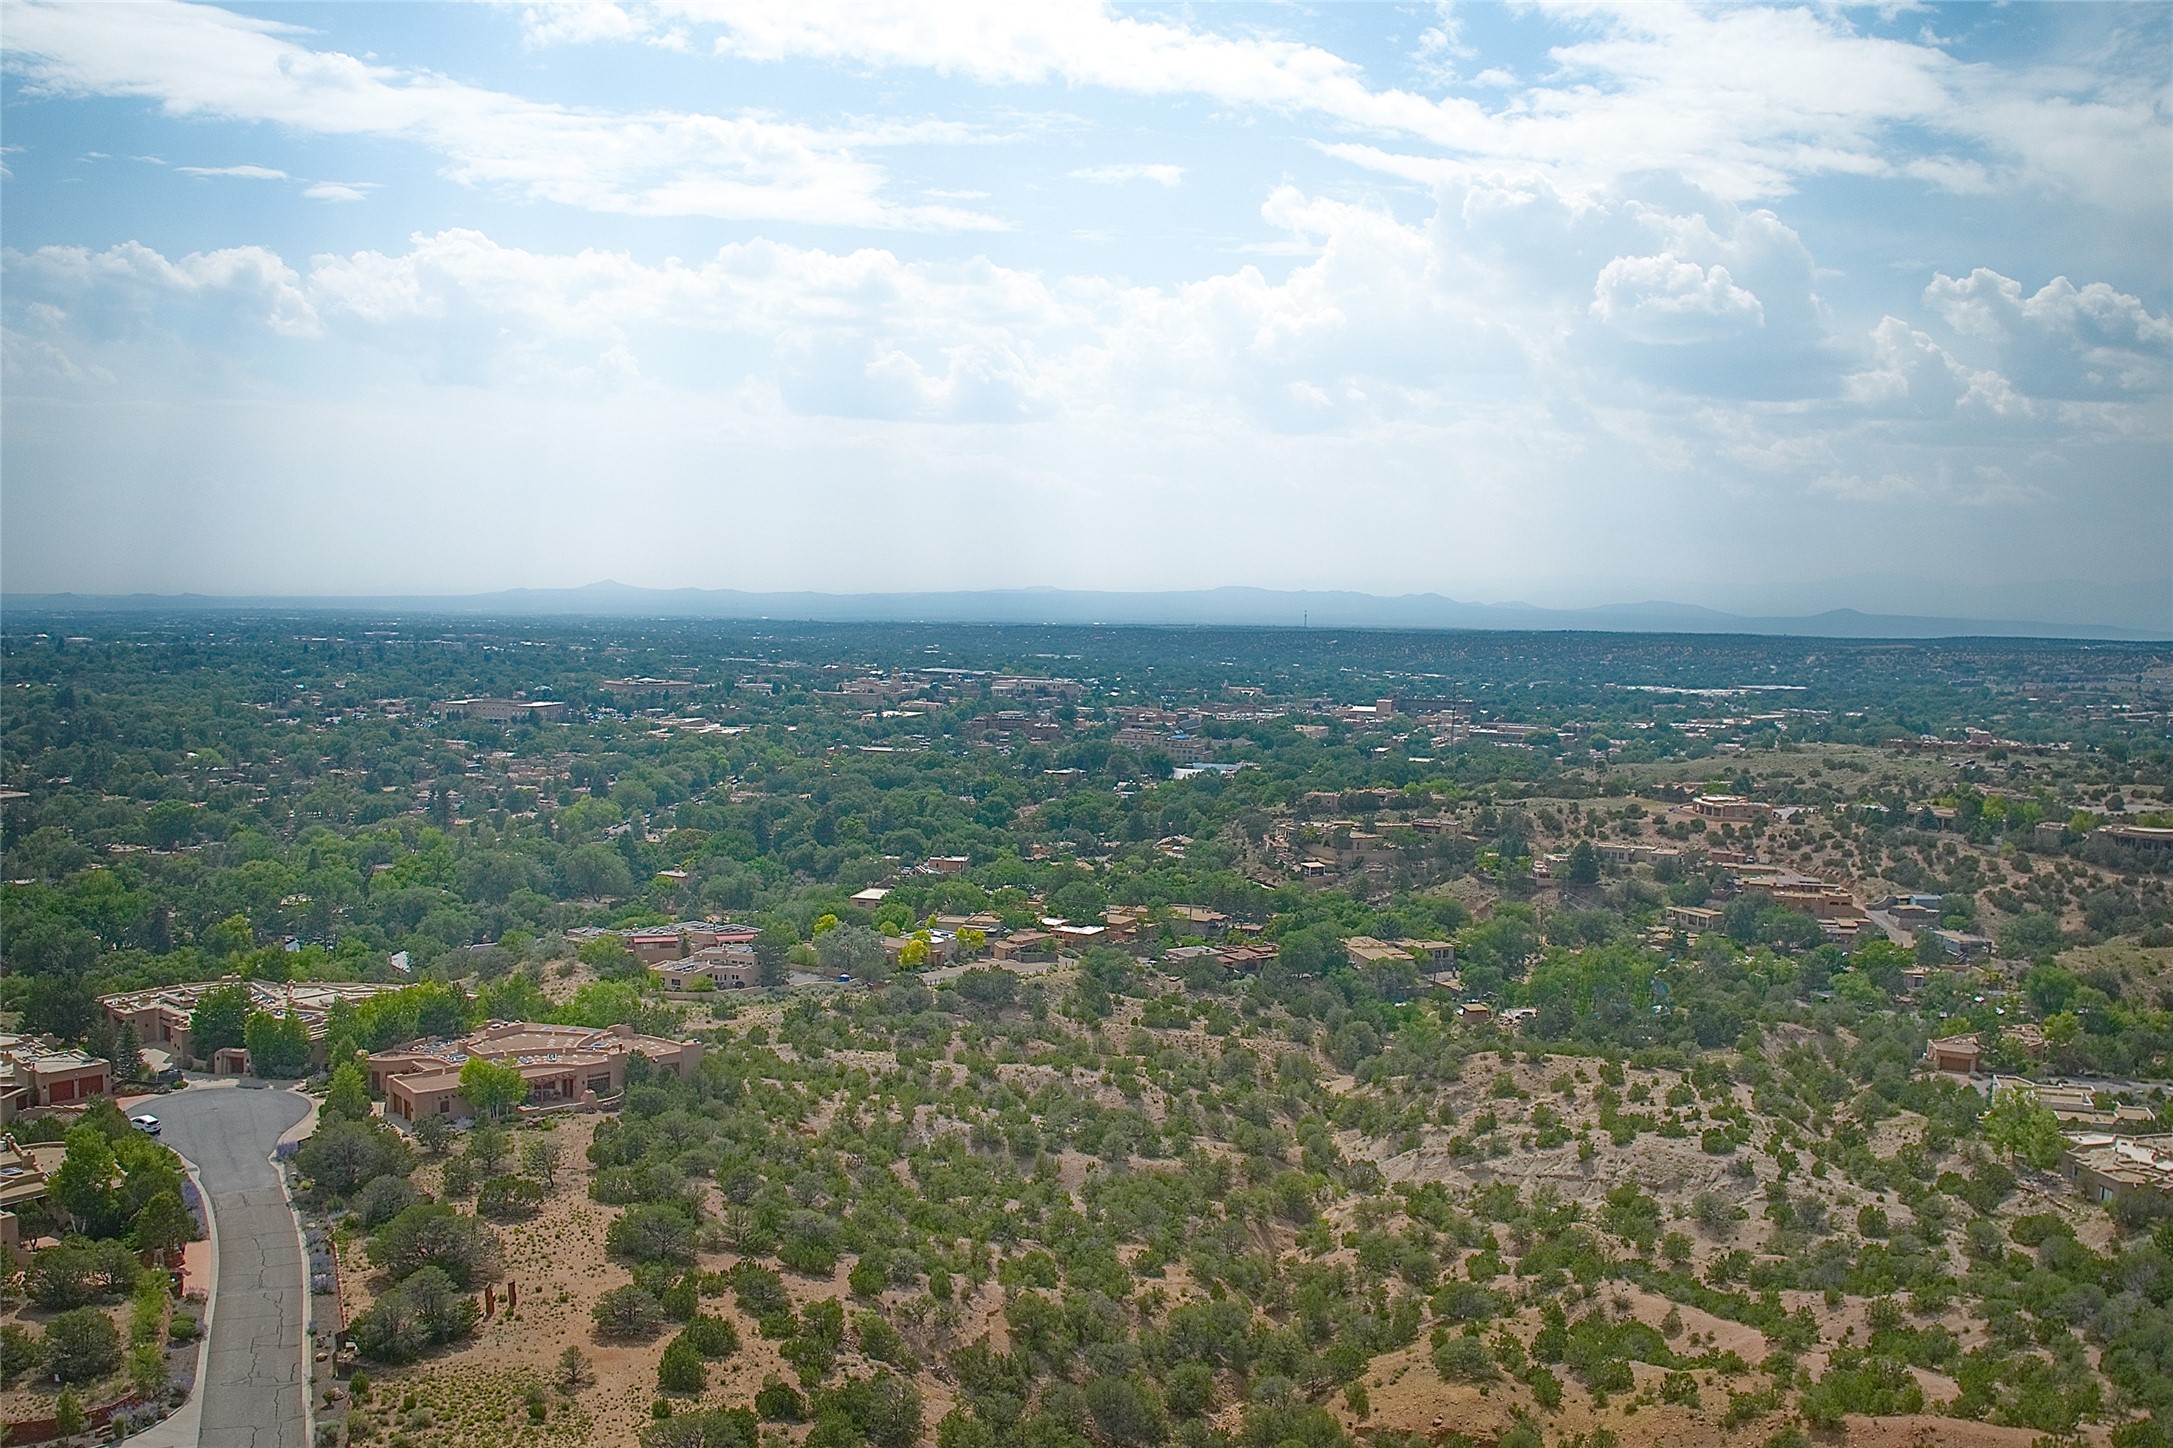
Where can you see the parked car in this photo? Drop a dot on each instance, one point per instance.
(146, 1123)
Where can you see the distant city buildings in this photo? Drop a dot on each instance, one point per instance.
(501, 711)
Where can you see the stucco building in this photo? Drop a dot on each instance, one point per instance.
(161, 1017)
(2107, 1167)
(35, 1072)
(565, 1067)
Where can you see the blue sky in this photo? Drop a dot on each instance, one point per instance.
(1780, 307)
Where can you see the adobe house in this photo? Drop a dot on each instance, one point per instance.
(33, 1073)
(566, 1067)
(2108, 1168)
(162, 1017)
(1954, 1053)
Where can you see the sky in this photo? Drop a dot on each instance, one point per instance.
(1560, 302)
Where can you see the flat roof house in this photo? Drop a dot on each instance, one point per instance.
(1729, 807)
(1962, 946)
(1954, 1053)
(1025, 945)
(38, 1073)
(1693, 918)
(565, 1067)
(2108, 1168)
(2152, 838)
(1368, 951)
(161, 1016)
(734, 968)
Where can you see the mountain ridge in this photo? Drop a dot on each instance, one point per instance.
(1228, 606)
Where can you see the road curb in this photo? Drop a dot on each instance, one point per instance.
(184, 1425)
(293, 1136)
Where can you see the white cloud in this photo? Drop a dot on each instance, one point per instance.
(26, 359)
(201, 61)
(247, 173)
(1517, 332)
(2062, 340)
(1912, 375)
(1742, 100)
(557, 22)
(122, 287)
(1413, 396)
(1160, 174)
(1942, 481)
(1666, 299)
(339, 190)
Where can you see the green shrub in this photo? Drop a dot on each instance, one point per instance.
(19, 1353)
(434, 1235)
(778, 1401)
(627, 1314)
(880, 1341)
(80, 1271)
(507, 1197)
(81, 1346)
(712, 1337)
(653, 1232)
(424, 1310)
(1464, 1359)
(1857, 1383)
(681, 1369)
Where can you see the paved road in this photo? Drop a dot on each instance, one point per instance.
(251, 1387)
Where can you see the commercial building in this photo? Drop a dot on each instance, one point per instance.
(565, 1067)
(672, 688)
(501, 711)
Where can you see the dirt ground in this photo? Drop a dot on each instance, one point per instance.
(557, 1261)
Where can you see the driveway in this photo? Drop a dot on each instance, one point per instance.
(252, 1381)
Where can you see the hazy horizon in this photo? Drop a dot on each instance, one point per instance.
(2102, 616)
(1769, 310)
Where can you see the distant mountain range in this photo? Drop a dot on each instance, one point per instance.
(1242, 607)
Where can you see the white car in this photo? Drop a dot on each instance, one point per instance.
(146, 1123)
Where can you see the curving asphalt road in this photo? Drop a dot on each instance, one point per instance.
(252, 1384)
